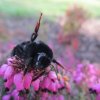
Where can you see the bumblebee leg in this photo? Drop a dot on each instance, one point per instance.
(56, 70)
(55, 61)
(39, 75)
(35, 34)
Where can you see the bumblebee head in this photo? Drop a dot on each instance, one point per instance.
(42, 61)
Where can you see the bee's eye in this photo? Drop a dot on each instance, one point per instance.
(42, 60)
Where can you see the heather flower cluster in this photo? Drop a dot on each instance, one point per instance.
(87, 77)
(18, 86)
(86, 73)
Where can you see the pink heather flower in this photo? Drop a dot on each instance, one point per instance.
(53, 87)
(22, 82)
(61, 97)
(79, 77)
(96, 87)
(92, 69)
(18, 81)
(58, 84)
(36, 84)
(27, 80)
(9, 82)
(3, 69)
(6, 97)
(9, 60)
(92, 79)
(62, 84)
(9, 71)
(15, 95)
(45, 83)
(52, 83)
(98, 97)
(80, 67)
(52, 75)
(44, 96)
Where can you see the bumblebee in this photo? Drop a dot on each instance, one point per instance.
(34, 55)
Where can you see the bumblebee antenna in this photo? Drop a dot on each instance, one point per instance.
(35, 33)
(55, 61)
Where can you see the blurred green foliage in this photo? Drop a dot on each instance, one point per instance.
(50, 8)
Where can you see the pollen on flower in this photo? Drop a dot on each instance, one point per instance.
(65, 78)
(59, 76)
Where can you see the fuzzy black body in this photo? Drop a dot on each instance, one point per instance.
(34, 54)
